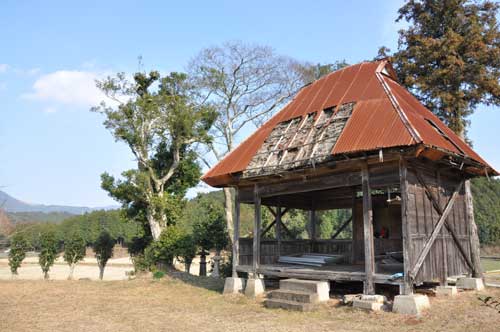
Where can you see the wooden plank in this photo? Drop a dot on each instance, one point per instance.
(236, 242)
(341, 228)
(444, 277)
(312, 224)
(439, 210)
(369, 286)
(278, 228)
(256, 230)
(473, 236)
(407, 287)
(435, 232)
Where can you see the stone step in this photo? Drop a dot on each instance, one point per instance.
(322, 288)
(296, 296)
(288, 305)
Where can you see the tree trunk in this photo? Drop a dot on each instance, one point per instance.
(154, 225)
(101, 272)
(187, 266)
(71, 271)
(228, 206)
(46, 275)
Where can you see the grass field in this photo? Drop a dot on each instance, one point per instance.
(182, 303)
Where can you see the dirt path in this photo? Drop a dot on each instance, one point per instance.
(185, 304)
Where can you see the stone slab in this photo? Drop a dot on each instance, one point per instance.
(288, 305)
(470, 283)
(296, 296)
(446, 291)
(374, 298)
(322, 288)
(233, 285)
(413, 304)
(254, 287)
(367, 305)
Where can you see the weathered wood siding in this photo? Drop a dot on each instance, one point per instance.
(269, 249)
(444, 258)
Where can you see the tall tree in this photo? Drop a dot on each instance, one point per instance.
(157, 118)
(246, 84)
(312, 72)
(449, 56)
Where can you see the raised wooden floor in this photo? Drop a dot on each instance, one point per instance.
(332, 272)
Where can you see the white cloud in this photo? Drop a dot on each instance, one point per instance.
(70, 87)
(3, 67)
(50, 109)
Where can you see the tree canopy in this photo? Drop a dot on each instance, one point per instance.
(159, 120)
(449, 56)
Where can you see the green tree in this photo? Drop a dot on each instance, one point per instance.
(449, 56)
(486, 194)
(311, 72)
(74, 251)
(48, 252)
(186, 250)
(18, 247)
(103, 248)
(160, 122)
(210, 231)
(166, 248)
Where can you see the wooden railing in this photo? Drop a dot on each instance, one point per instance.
(269, 249)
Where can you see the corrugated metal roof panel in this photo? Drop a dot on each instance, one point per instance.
(376, 121)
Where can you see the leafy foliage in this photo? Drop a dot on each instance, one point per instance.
(450, 56)
(103, 248)
(486, 195)
(210, 231)
(160, 122)
(166, 248)
(48, 252)
(74, 250)
(186, 250)
(17, 253)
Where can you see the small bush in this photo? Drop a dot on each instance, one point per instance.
(103, 248)
(19, 247)
(165, 248)
(186, 250)
(158, 274)
(48, 252)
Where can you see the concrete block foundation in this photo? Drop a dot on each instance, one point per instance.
(322, 288)
(470, 283)
(254, 287)
(233, 285)
(446, 291)
(413, 304)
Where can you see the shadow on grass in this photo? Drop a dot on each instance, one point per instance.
(209, 283)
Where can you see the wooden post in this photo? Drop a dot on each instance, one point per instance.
(236, 237)
(278, 228)
(444, 239)
(369, 287)
(473, 237)
(256, 231)
(312, 224)
(354, 233)
(407, 288)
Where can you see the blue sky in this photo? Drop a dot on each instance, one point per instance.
(53, 150)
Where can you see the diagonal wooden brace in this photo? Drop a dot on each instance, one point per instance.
(435, 232)
(439, 210)
(264, 231)
(344, 225)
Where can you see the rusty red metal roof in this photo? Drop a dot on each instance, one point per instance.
(385, 115)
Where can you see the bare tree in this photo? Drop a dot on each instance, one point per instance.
(246, 84)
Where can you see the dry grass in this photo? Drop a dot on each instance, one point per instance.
(195, 304)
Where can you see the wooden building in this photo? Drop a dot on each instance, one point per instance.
(356, 139)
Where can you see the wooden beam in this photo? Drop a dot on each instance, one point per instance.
(473, 237)
(369, 286)
(256, 230)
(435, 231)
(354, 233)
(407, 287)
(444, 277)
(278, 228)
(312, 224)
(344, 225)
(236, 236)
(275, 214)
(437, 206)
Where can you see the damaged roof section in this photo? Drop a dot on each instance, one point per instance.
(300, 142)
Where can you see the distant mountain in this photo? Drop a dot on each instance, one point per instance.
(11, 204)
